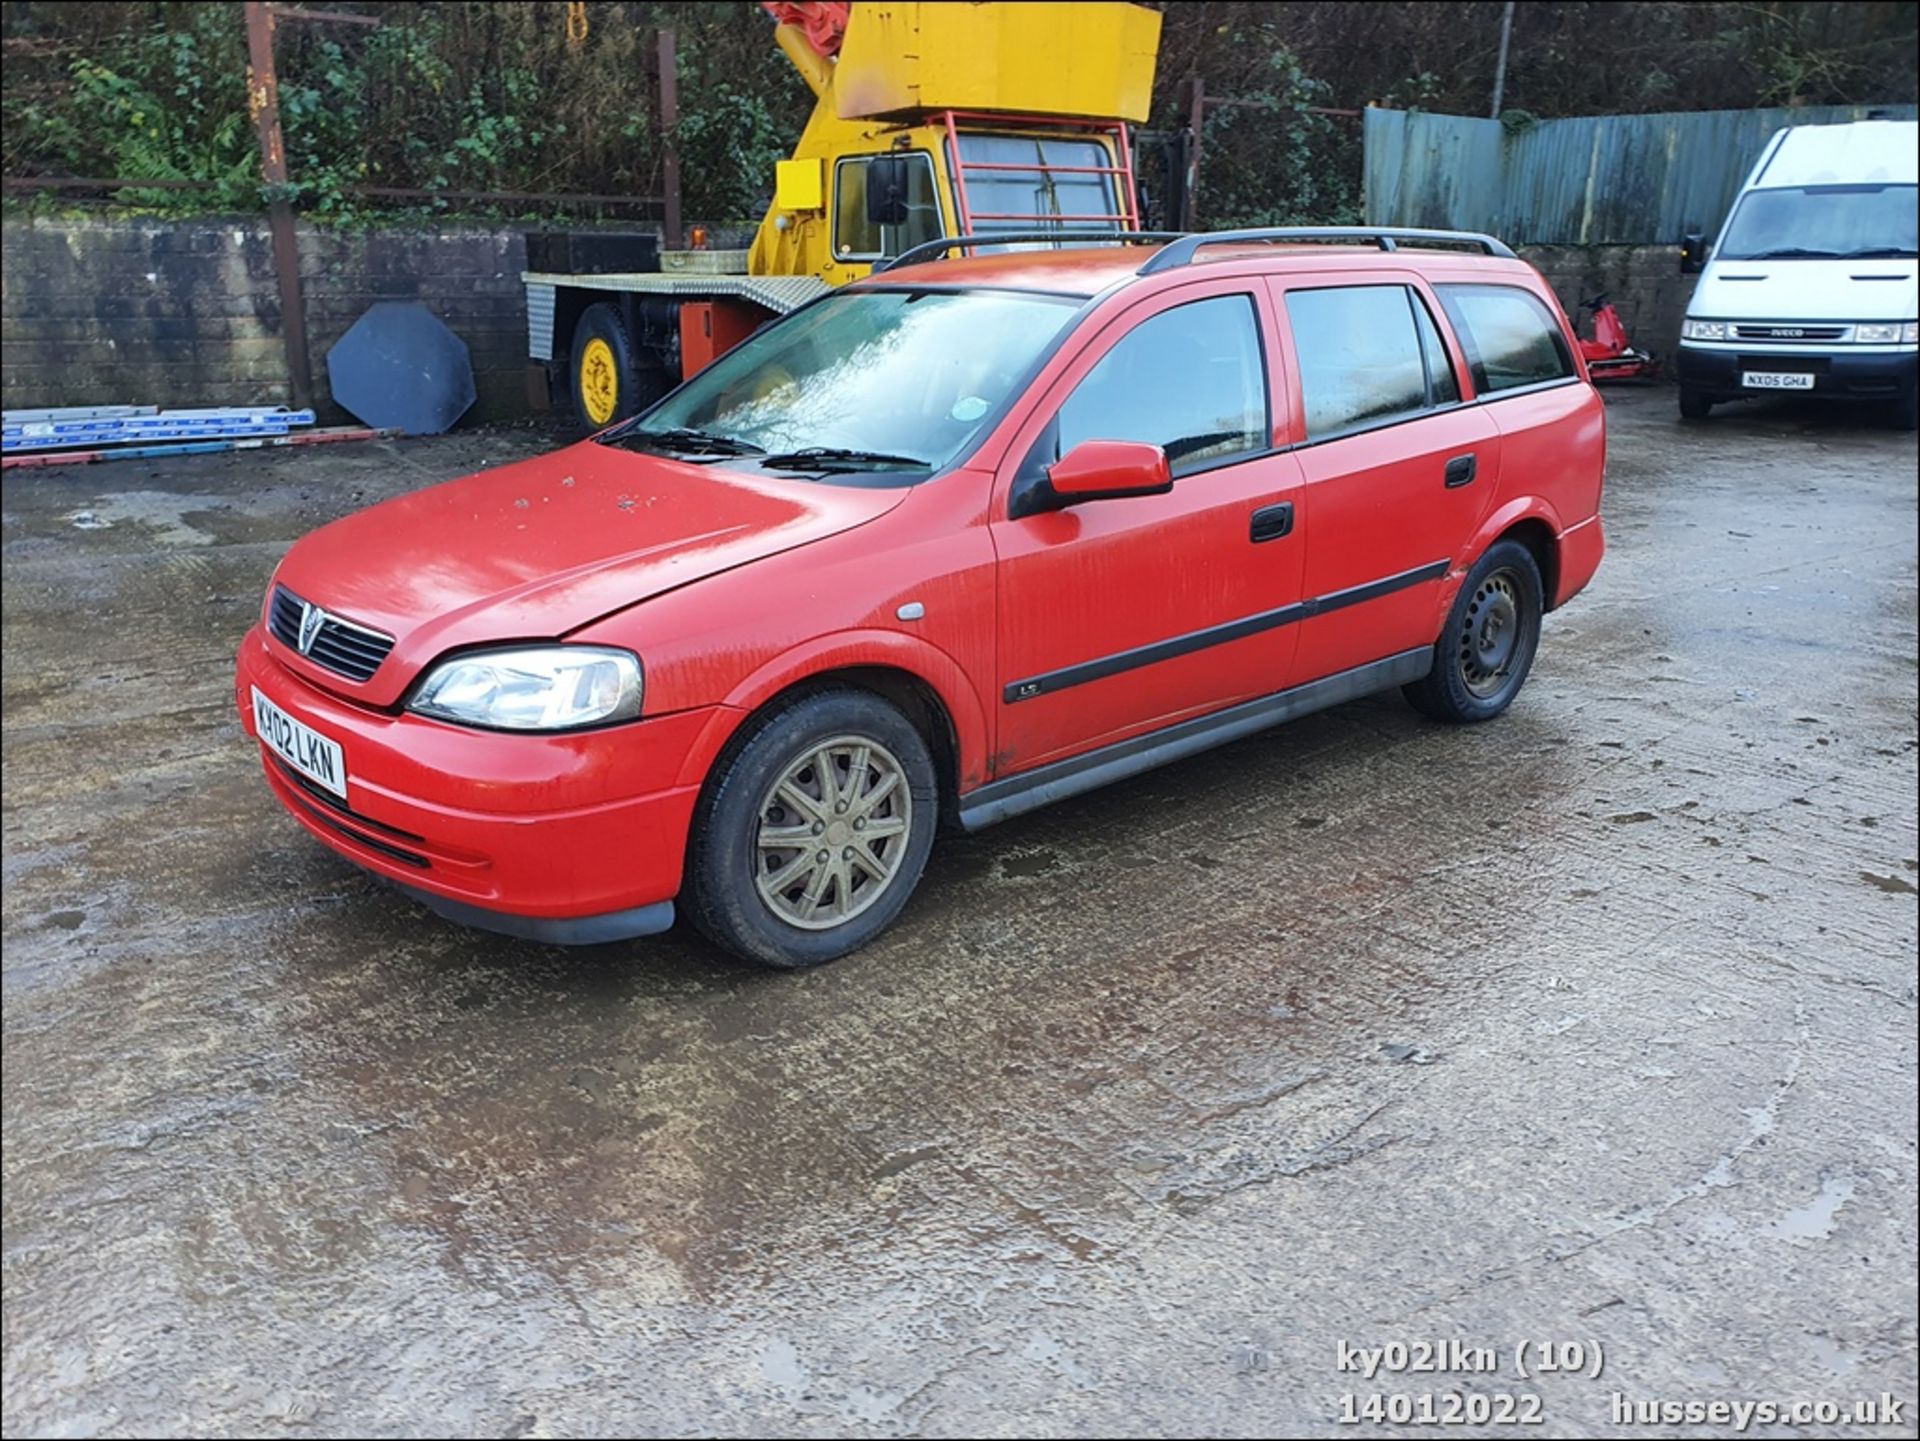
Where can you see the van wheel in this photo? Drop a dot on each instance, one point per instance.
(1483, 655)
(815, 831)
(1906, 413)
(610, 380)
(1694, 404)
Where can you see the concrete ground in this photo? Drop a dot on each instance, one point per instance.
(1595, 1025)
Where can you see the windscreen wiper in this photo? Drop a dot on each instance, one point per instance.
(1790, 252)
(685, 441)
(1881, 252)
(833, 457)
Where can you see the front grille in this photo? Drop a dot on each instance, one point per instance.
(394, 853)
(1791, 364)
(1789, 333)
(351, 650)
(329, 799)
(306, 793)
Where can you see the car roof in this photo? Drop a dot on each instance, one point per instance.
(1089, 269)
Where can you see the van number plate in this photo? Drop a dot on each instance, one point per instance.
(1776, 380)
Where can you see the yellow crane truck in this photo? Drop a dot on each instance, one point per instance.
(930, 120)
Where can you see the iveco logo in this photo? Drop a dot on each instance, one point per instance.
(311, 619)
(1786, 332)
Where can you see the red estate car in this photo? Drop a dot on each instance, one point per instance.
(944, 545)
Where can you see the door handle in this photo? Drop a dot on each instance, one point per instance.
(1461, 471)
(1270, 522)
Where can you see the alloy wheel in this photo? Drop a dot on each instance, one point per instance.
(833, 831)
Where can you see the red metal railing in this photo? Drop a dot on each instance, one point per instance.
(1127, 218)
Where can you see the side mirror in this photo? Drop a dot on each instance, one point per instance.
(887, 190)
(1693, 253)
(1108, 470)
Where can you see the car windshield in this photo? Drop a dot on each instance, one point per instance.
(1821, 222)
(893, 380)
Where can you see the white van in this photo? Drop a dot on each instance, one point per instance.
(1811, 286)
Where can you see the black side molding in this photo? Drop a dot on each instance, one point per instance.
(1101, 667)
(999, 800)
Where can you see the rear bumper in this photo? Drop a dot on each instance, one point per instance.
(1837, 374)
(1580, 551)
(570, 839)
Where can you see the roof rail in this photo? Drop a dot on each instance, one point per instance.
(1182, 251)
(929, 249)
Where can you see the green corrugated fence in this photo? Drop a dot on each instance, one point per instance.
(1586, 180)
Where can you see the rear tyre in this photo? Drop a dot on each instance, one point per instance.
(813, 831)
(1483, 655)
(608, 377)
(1694, 404)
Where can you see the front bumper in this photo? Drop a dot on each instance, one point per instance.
(571, 838)
(1847, 374)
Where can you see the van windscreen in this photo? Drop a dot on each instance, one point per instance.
(1822, 222)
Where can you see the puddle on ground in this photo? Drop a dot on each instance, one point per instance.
(1892, 885)
(1815, 1220)
(1032, 863)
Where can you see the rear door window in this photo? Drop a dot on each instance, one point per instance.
(1510, 338)
(1369, 355)
(1442, 388)
(1190, 380)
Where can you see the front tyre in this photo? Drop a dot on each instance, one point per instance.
(1483, 655)
(814, 831)
(1695, 404)
(1905, 413)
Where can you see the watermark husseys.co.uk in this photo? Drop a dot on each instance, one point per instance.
(1883, 1410)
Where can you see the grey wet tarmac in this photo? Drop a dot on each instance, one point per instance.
(1595, 1024)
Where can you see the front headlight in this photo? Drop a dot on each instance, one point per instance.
(1703, 330)
(536, 688)
(1878, 334)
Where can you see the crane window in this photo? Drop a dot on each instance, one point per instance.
(857, 238)
(1040, 180)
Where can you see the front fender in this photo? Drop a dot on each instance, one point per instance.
(846, 650)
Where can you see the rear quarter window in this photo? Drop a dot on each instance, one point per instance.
(1510, 337)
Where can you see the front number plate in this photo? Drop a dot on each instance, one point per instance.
(1776, 380)
(300, 746)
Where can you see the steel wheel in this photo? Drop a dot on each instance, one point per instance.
(1490, 634)
(599, 381)
(833, 829)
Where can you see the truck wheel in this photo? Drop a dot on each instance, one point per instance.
(1694, 404)
(813, 832)
(1482, 657)
(609, 379)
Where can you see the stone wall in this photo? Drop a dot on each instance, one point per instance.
(1643, 281)
(187, 313)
